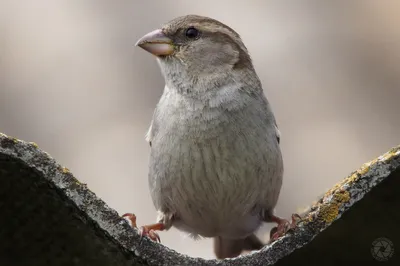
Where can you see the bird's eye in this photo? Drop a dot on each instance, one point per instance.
(192, 33)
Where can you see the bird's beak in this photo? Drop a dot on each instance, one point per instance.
(156, 43)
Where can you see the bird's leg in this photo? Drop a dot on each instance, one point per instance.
(283, 226)
(146, 230)
(150, 231)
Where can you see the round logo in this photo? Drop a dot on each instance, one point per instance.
(382, 249)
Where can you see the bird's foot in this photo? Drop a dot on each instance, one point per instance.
(283, 226)
(131, 219)
(147, 230)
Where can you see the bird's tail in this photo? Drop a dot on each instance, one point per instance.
(229, 248)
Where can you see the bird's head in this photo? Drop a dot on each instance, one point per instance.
(193, 49)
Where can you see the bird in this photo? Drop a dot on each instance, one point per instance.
(215, 167)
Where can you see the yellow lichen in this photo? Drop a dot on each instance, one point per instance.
(364, 169)
(349, 180)
(328, 212)
(367, 166)
(342, 197)
(354, 177)
(65, 170)
(387, 156)
(335, 197)
(34, 144)
(390, 154)
(393, 152)
(336, 187)
(15, 140)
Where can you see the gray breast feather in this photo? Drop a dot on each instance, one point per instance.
(210, 162)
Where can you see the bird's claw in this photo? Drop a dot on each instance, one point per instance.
(147, 230)
(150, 233)
(283, 227)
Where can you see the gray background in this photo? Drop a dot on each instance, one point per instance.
(71, 81)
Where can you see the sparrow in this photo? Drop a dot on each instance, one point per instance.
(215, 166)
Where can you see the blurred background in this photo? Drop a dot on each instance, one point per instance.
(72, 81)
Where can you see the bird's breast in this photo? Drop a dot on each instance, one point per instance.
(208, 162)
